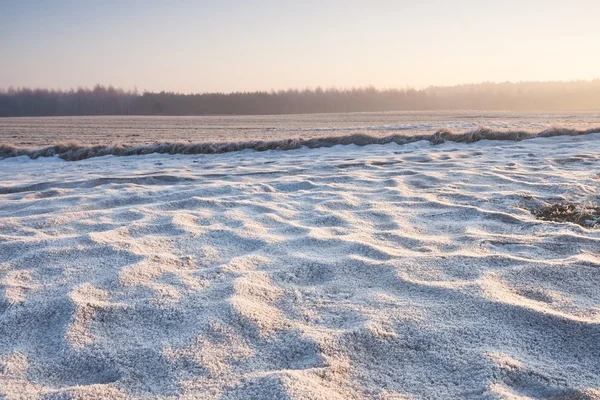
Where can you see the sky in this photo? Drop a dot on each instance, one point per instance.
(231, 45)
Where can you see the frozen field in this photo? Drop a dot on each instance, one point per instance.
(382, 271)
(39, 132)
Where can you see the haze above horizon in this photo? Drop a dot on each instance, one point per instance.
(231, 45)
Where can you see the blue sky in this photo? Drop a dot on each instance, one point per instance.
(196, 46)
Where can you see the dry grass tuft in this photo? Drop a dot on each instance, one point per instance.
(586, 216)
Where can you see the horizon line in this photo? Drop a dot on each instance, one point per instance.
(135, 89)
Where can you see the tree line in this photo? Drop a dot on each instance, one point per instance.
(101, 100)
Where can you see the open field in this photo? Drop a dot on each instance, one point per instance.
(382, 271)
(38, 132)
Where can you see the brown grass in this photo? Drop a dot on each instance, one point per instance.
(74, 151)
(588, 217)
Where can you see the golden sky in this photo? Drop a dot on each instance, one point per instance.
(197, 46)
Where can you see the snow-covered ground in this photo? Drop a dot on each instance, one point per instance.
(382, 271)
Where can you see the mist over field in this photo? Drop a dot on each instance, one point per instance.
(101, 100)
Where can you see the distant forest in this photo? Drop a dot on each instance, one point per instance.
(101, 100)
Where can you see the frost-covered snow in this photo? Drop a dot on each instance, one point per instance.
(381, 271)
